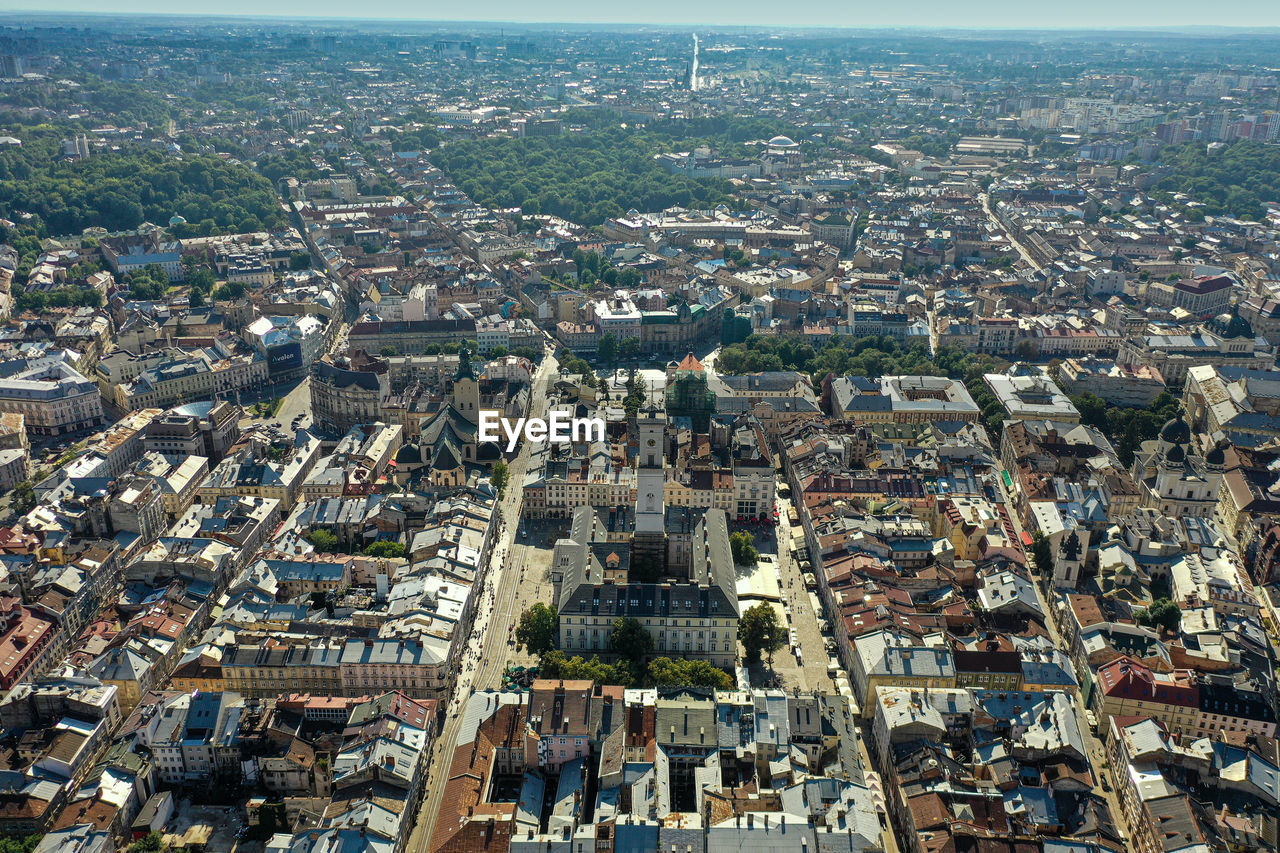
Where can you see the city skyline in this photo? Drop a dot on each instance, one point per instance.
(930, 16)
(751, 428)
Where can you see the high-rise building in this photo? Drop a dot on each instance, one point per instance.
(693, 66)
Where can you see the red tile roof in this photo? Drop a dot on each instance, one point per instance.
(690, 363)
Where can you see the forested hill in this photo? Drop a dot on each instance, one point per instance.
(1234, 180)
(586, 177)
(119, 191)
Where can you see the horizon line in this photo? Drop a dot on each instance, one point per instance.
(1166, 29)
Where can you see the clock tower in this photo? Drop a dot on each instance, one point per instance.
(651, 478)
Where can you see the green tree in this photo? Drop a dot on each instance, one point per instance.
(1026, 351)
(387, 350)
(554, 664)
(538, 629)
(1233, 180)
(1127, 428)
(584, 177)
(1092, 408)
(760, 632)
(1042, 554)
(532, 353)
(629, 348)
(385, 549)
(499, 476)
(202, 279)
(850, 357)
(607, 350)
(299, 261)
(23, 498)
(1162, 613)
(685, 672)
(629, 639)
(742, 545)
(152, 842)
(148, 283)
(119, 190)
(231, 290)
(636, 396)
(322, 540)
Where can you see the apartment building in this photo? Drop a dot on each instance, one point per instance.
(52, 396)
(199, 375)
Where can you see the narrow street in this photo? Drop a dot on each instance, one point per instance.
(809, 670)
(1013, 238)
(1096, 748)
(487, 655)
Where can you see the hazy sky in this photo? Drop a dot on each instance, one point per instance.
(809, 13)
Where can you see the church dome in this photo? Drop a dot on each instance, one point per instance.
(1216, 456)
(1239, 327)
(1176, 431)
(783, 142)
(409, 454)
(1230, 326)
(1175, 455)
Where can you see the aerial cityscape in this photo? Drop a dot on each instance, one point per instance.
(472, 437)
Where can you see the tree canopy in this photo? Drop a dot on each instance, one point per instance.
(1042, 554)
(1127, 428)
(322, 540)
(584, 177)
(121, 190)
(843, 356)
(384, 549)
(686, 672)
(760, 632)
(152, 842)
(636, 395)
(500, 476)
(22, 845)
(1162, 613)
(661, 671)
(742, 544)
(630, 640)
(538, 629)
(607, 349)
(555, 664)
(150, 282)
(297, 163)
(1234, 180)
